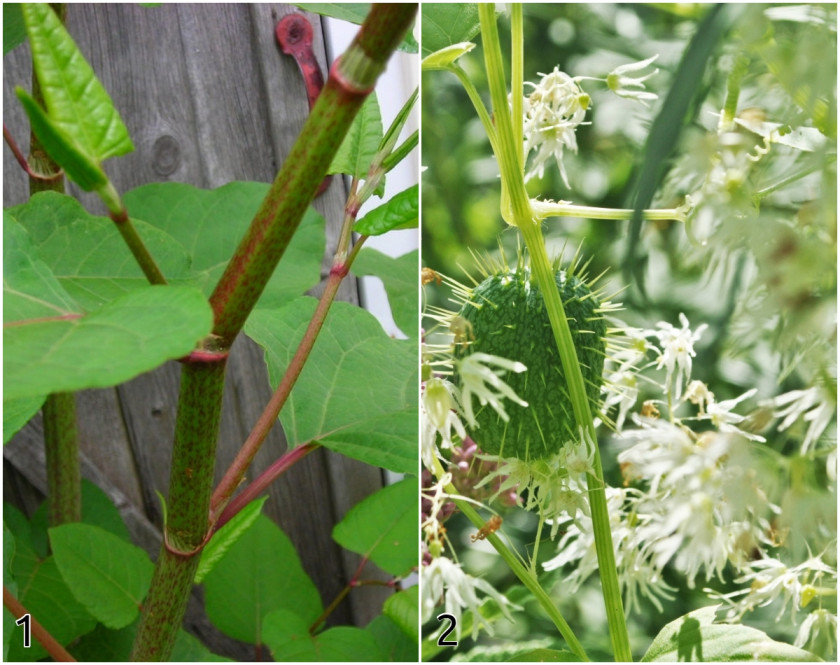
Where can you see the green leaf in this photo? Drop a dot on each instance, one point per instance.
(22, 528)
(18, 412)
(359, 147)
(48, 598)
(447, 24)
(696, 637)
(400, 279)
(446, 56)
(89, 257)
(109, 576)
(680, 106)
(129, 336)
(383, 528)
(399, 212)
(30, 289)
(403, 609)
(544, 656)
(99, 511)
(80, 167)
(76, 102)
(104, 645)
(395, 645)
(287, 635)
(335, 402)
(225, 538)
(14, 29)
(353, 12)
(209, 223)
(260, 573)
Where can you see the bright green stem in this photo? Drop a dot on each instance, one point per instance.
(733, 91)
(517, 75)
(61, 441)
(544, 276)
(523, 216)
(528, 580)
(545, 209)
(188, 508)
(475, 98)
(351, 79)
(515, 204)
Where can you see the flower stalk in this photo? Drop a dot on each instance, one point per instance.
(521, 572)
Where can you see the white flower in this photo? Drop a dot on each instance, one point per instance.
(480, 378)
(813, 405)
(620, 84)
(721, 416)
(438, 416)
(818, 633)
(768, 580)
(444, 578)
(553, 112)
(677, 351)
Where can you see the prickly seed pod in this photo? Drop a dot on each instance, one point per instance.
(507, 317)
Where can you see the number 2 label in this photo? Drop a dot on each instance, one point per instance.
(442, 641)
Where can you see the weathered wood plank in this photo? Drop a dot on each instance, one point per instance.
(208, 97)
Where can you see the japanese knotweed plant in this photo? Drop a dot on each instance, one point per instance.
(72, 578)
(525, 362)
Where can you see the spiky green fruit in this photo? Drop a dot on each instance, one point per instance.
(507, 317)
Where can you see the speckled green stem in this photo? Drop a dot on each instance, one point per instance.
(61, 443)
(61, 437)
(190, 484)
(351, 79)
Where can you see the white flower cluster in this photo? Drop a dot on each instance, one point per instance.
(557, 107)
(694, 500)
(443, 405)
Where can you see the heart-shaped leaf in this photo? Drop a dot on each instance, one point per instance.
(107, 575)
(399, 276)
(289, 640)
(334, 402)
(209, 223)
(260, 573)
(383, 527)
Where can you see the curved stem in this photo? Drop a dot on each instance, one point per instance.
(480, 109)
(510, 558)
(58, 652)
(255, 488)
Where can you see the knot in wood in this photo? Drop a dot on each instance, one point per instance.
(166, 155)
